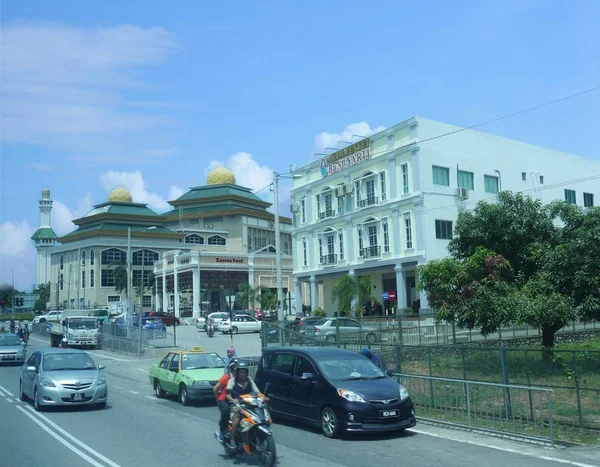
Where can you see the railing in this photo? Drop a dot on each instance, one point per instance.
(326, 214)
(129, 340)
(363, 203)
(329, 259)
(497, 408)
(370, 252)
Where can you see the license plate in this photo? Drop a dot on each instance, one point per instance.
(388, 413)
(78, 396)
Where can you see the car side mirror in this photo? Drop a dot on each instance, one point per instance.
(389, 373)
(307, 376)
(101, 367)
(31, 369)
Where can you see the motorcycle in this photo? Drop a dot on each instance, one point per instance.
(253, 436)
(210, 330)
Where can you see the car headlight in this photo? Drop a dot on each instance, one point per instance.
(101, 381)
(70, 337)
(44, 381)
(403, 393)
(201, 383)
(350, 395)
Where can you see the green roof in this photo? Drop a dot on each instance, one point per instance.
(44, 232)
(127, 209)
(110, 227)
(212, 208)
(213, 191)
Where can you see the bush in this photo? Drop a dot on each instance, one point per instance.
(319, 312)
(19, 317)
(39, 305)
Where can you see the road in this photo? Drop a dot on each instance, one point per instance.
(138, 429)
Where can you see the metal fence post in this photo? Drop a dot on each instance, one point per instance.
(550, 421)
(507, 402)
(430, 381)
(398, 360)
(468, 402)
(577, 390)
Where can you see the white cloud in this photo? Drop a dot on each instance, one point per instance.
(38, 167)
(17, 254)
(62, 215)
(248, 172)
(62, 84)
(134, 182)
(352, 132)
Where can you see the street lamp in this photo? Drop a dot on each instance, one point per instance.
(276, 177)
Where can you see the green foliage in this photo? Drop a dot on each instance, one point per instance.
(44, 292)
(344, 290)
(319, 312)
(246, 295)
(19, 317)
(39, 305)
(119, 271)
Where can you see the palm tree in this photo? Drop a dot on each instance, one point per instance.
(119, 272)
(246, 295)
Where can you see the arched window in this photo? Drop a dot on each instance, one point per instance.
(144, 257)
(113, 255)
(194, 238)
(83, 258)
(62, 263)
(217, 240)
(92, 255)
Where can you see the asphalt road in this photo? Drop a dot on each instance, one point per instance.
(138, 429)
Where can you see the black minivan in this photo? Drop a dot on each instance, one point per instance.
(338, 390)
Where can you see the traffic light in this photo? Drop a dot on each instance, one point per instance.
(20, 301)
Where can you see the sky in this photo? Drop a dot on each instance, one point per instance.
(151, 95)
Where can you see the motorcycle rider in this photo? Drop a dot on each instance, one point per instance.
(237, 386)
(209, 325)
(220, 392)
(64, 343)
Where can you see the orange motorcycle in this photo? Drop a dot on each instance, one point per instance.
(253, 436)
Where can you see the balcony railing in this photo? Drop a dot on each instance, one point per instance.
(371, 252)
(363, 203)
(326, 214)
(329, 259)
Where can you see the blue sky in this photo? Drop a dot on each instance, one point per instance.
(150, 95)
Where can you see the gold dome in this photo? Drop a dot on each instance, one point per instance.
(219, 176)
(45, 192)
(120, 195)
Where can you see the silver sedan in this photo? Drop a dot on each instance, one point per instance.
(12, 349)
(64, 377)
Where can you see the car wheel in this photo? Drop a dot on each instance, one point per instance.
(371, 338)
(22, 395)
(329, 423)
(36, 401)
(101, 405)
(158, 390)
(234, 330)
(183, 395)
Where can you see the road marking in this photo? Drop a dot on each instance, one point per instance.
(118, 387)
(3, 394)
(112, 358)
(39, 340)
(72, 438)
(80, 453)
(8, 400)
(133, 392)
(142, 369)
(500, 448)
(6, 391)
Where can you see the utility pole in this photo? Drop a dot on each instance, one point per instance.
(142, 306)
(280, 316)
(128, 268)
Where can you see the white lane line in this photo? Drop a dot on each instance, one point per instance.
(142, 370)
(111, 358)
(151, 397)
(3, 394)
(133, 392)
(118, 387)
(7, 391)
(8, 400)
(500, 448)
(61, 440)
(72, 438)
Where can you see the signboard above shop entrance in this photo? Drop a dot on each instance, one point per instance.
(347, 157)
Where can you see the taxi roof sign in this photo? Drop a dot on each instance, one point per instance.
(197, 348)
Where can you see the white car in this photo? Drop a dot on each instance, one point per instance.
(51, 315)
(240, 323)
(217, 317)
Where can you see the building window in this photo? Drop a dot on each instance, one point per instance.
(341, 240)
(320, 249)
(194, 238)
(360, 239)
(148, 257)
(370, 189)
(92, 257)
(147, 300)
(137, 278)
(92, 279)
(570, 196)
(217, 240)
(318, 198)
(441, 176)
(83, 279)
(113, 298)
(194, 221)
(383, 187)
(465, 180)
(62, 263)
(386, 235)
(541, 179)
(588, 200)
(523, 176)
(372, 232)
(61, 280)
(408, 227)
(107, 278)
(328, 211)
(405, 187)
(303, 210)
(83, 258)
(304, 252)
(491, 184)
(357, 191)
(260, 239)
(113, 255)
(443, 230)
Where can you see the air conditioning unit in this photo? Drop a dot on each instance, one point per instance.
(349, 188)
(462, 193)
(295, 207)
(340, 191)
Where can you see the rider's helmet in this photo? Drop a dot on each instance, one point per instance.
(240, 366)
(231, 365)
(64, 341)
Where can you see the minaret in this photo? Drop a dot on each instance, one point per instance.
(44, 239)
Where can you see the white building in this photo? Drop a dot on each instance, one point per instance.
(387, 203)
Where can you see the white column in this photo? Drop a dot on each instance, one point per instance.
(157, 295)
(164, 304)
(400, 288)
(175, 286)
(196, 292)
(251, 271)
(298, 296)
(422, 294)
(354, 300)
(314, 297)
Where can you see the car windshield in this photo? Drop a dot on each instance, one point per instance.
(9, 340)
(67, 361)
(83, 323)
(348, 367)
(321, 322)
(201, 361)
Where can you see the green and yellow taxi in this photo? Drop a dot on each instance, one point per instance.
(189, 374)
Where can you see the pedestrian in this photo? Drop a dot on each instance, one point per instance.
(230, 356)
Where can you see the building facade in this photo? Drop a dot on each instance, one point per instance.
(387, 203)
(216, 235)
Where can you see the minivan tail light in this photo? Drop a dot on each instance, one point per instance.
(317, 329)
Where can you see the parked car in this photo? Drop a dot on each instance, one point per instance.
(66, 377)
(306, 326)
(338, 390)
(168, 318)
(155, 324)
(350, 330)
(239, 323)
(217, 317)
(12, 350)
(50, 316)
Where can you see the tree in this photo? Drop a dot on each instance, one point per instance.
(119, 272)
(516, 226)
(39, 305)
(246, 295)
(43, 290)
(343, 291)
(6, 295)
(268, 300)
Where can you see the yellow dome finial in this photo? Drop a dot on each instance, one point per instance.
(120, 195)
(219, 176)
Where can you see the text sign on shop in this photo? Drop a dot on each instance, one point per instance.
(385, 296)
(392, 296)
(344, 158)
